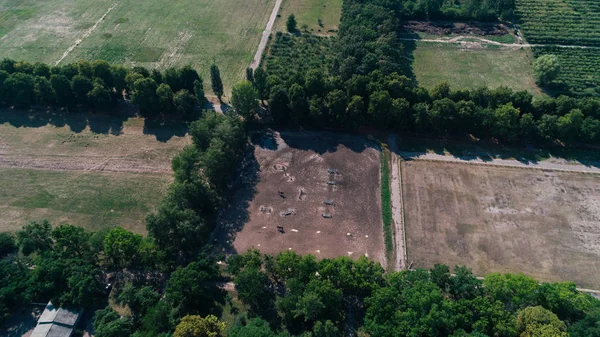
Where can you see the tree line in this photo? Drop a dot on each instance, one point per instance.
(284, 295)
(99, 85)
(367, 85)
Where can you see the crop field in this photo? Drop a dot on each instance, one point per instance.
(308, 13)
(501, 219)
(298, 165)
(91, 171)
(473, 67)
(565, 22)
(152, 34)
(288, 54)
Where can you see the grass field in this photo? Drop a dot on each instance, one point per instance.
(500, 219)
(88, 199)
(152, 33)
(472, 68)
(58, 168)
(308, 12)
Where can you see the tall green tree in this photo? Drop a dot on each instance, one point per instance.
(546, 68)
(216, 82)
(244, 99)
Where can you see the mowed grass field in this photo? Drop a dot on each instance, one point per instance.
(473, 68)
(64, 171)
(502, 219)
(152, 33)
(308, 12)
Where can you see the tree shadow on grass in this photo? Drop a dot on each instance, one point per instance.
(164, 130)
(102, 123)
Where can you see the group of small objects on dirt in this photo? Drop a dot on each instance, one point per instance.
(328, 202)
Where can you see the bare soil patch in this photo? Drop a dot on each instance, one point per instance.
(322, 189)
(441, 28)
(503, 219)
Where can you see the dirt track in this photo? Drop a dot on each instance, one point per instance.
(397, 207)
(459, 40)
(265, 37)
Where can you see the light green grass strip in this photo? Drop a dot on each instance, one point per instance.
(386, 202)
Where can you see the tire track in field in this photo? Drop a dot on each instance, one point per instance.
(265, 37)
(85, 35)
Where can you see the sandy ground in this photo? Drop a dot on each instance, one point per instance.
(504, 219)
(294, 162)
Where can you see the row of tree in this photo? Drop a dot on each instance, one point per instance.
(99, 85)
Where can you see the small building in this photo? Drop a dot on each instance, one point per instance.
(56, 322)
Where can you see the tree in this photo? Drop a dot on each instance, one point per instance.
(291, 23)
(62, 88)
(101, 70)
(255, 328)
(44, 93)
(546, 68)
(244, 100)
(81, 86)
(540, 322)
(298, 103)
(100, 96)
(184, 103)
(107, 323)
(327, 329)
(19, 90)
(187, 289)
(216, 82)
(569, 125)
(121, 246)
(139, 300)
(34, 237)
(187, 77)
(261, 83)
(7, 244)
(279, 105)
(250, 75)
(506, 121)
(145, 95)
(199, 92)
(165, 98)
(251, 285)
(196, 326)
(71, 241)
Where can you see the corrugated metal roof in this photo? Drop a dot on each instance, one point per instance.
(56, 322)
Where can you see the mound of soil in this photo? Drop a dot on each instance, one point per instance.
(441, 28)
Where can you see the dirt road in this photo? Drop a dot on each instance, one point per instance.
(265, 37)
(397, 207)
(459, 40)
(552, 164)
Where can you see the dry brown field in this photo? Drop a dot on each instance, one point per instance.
(300, 161)
(545, 224)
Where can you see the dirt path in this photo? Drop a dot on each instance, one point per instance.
(86, 34)
(459, 40)
(265, 37)
(397, 207)
(552, 164)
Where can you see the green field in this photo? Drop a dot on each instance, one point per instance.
(308, 12)
(473, 68)
(153, 33)
(88, 199)
(87, 170)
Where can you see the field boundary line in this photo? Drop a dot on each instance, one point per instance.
(265, 36)
(86, 34)
(525, 167)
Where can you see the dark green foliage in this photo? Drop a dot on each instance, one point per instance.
(165, 98)
(244, 99)
(7, 244)
(291, 23)
(188, 290)
(215, 81)
(34, 237)
(107, 323)
(184, 103)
